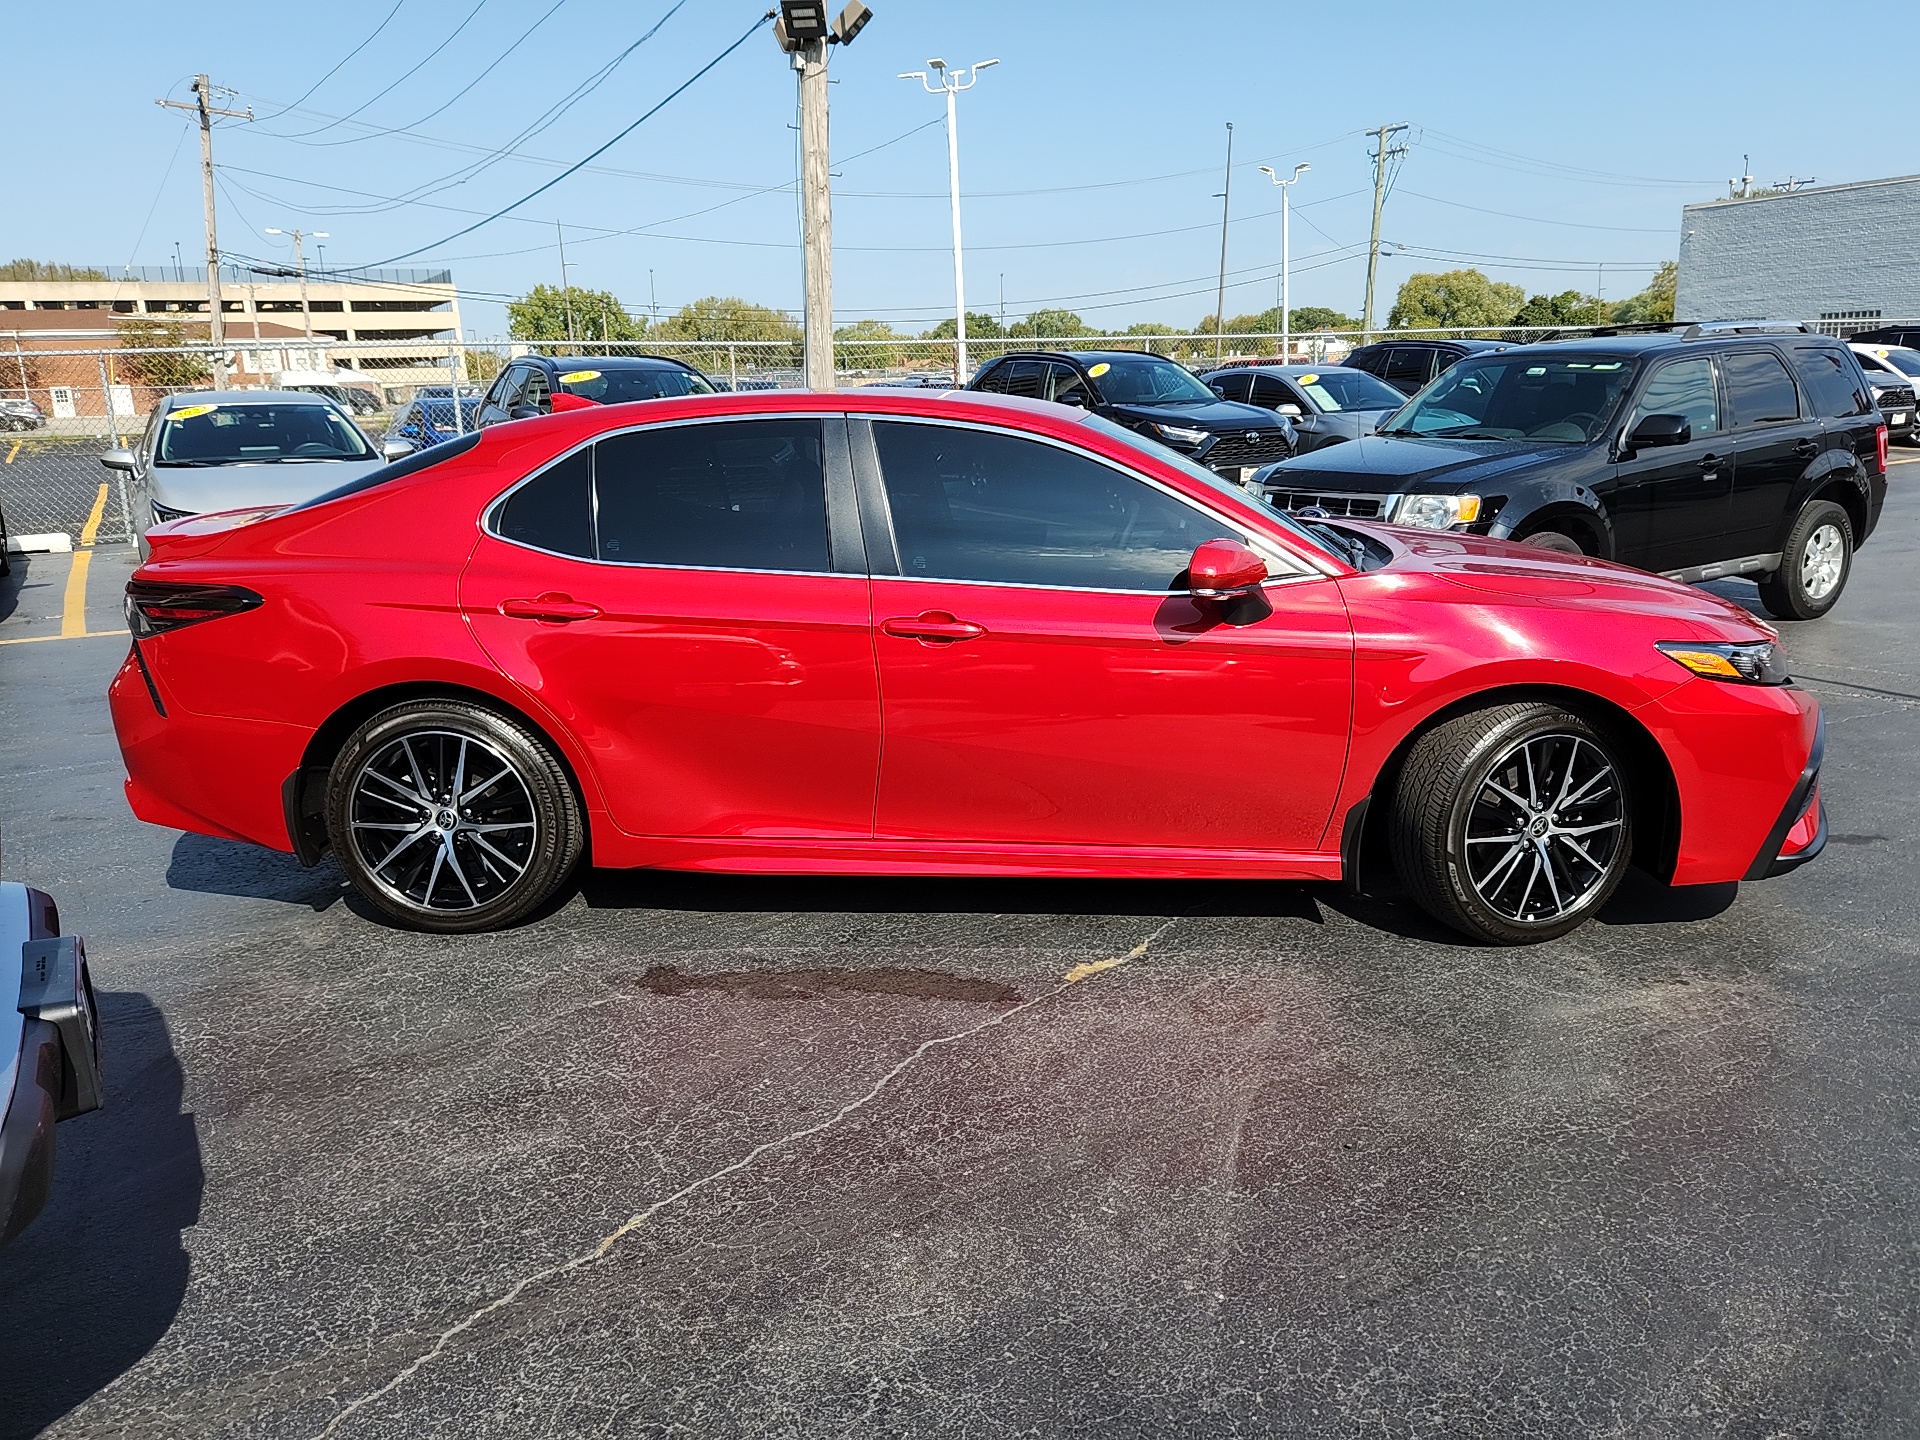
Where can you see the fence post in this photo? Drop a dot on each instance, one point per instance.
(106, 398)
(453, 375)
(733, 371)
(126, 510)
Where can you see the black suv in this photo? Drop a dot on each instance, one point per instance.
(1158, 398)
(527, 386)
(1408, 364)
(1703, 452)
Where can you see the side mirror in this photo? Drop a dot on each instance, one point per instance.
(1223, 570)
(1290, 410)
(119, 459)
(1657, 430)
(1219, 390)
(397, 447)
(1075, 398)
(525, 412)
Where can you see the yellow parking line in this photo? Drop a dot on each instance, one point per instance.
(92, 527)
(73, 614)
(63, 635)
(14, 451)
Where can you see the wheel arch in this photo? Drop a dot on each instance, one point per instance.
(304, 794)
(1584, 521)
(1656, 793)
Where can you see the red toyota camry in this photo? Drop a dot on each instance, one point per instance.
(955, 634)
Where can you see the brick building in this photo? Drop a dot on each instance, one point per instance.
(1845, 255)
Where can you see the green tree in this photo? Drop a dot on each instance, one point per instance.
(727, 317)
(1455, 300)
(163, 372)
(1048, 325)
(1653, 304)
(1568, 308)
(1318, 317)
(979, 327)
(867, 345)
(47, 270)
(543, 314)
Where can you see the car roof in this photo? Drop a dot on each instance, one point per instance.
(236, 397)
(1084, 356)
(1434, 342)
(1291, 370)
(609, 362)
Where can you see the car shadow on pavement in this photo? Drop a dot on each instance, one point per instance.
(90, 1286)
(12, 583)
(232, 867)
(934, 895)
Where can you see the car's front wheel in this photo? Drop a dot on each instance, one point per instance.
(1814, 564)
(449, 817)
(1513, 824)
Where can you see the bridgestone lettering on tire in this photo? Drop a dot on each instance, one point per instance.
(451, 818)
(1513, 824)
(1814, 564)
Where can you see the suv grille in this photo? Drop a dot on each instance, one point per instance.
(1358, 507)
(1247, 447)
(1895, 397)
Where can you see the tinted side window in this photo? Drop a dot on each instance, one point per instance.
(1025, 377)
(972, 505)
(554, 510)
(1683, 388)
(1370, 358)
(994, 382)
(1759, 388)
(1232, 387)
(1832, 385)
(1064, 383)
(1270, 392)
(535, 391)
(738, 495)
(1409, 367)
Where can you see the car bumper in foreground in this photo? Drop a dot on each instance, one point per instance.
(1800, 833)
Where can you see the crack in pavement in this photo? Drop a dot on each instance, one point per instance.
(607, 1243)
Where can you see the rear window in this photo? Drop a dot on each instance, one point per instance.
(1833, 381)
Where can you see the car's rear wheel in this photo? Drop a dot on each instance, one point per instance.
(449, 817)
(1814, 564)
(1513, 824)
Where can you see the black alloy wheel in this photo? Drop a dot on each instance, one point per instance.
(1513, 824)
(451, 818)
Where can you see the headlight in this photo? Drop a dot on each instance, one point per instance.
(1757, 664)
(161, 514)
(1436, 512)
(1185, 438)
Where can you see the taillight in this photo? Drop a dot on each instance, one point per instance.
(1880, 444)
(157, 606)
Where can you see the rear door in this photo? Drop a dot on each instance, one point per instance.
(675, 595)
(1775, 438)
(1047, 682)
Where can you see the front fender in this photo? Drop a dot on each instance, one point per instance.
(1535, 501)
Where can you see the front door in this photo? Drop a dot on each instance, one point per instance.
(1775, 439)
(673, 596)
(1046, 682)
(1670, 502)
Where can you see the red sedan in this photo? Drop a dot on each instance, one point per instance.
(955, 634)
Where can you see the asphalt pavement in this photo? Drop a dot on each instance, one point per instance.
(773, 1157)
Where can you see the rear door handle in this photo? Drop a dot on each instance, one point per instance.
(934, 626)
(553, 607)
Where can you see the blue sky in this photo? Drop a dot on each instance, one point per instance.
(1548, 141)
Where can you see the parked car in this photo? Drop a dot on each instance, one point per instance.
(423, 423)
(1150, 395)
(21, 415)
(1895, 400)
(1409, 364)
(1721, 449)
(355, 399)
(673, 636)
(526, 387)
(942, 381)
(1890, 367)
(49, 1047)
(229, 449)
(1326, 403)
(6, 554)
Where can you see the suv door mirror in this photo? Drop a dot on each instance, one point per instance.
(1223, 570)
(1654, 431)
(1076, 398)
(119, 459)
(397, 447)
(1290, 410)
(525, 412)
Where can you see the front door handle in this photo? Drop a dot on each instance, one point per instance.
(936, 627)
(554, 608)
(1806, 449)
(1709, 463)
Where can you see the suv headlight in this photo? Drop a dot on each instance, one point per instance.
(1436, 512)
(1760, 663)
(1185, 438)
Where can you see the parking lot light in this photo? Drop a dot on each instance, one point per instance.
(951, 83)
(1286, 300)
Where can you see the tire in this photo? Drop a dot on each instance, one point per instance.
(1814, 564)
(424, 862)
(1464, 789)
(1557, 541)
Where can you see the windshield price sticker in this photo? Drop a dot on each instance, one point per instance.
(191, 411)
(579, 377)
(1308, 379)
(1098, 370)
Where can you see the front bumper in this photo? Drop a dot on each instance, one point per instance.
(1800, 834)
(58, 1075)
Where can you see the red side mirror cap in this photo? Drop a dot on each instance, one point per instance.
(1222, 569)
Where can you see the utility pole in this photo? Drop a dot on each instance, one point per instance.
(951, 85)
(566, 290)
(206, 109)
(300, 237)
(1220, 297)
(1382, 153)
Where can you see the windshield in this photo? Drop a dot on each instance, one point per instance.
(615, 387)
(1332, 390)
(1515, 396)
(230, 433)
(1906, 361)
(1147, 382)
(1213, 482)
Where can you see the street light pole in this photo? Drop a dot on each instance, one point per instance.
(1220, 299)
(951, 84)
(1286, 257)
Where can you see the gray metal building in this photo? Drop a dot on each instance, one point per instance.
(1847, 255)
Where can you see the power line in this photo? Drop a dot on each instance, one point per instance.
(1512, 160)
(343, 60)
(452, 35)
(1538, 219)
(686, 84)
